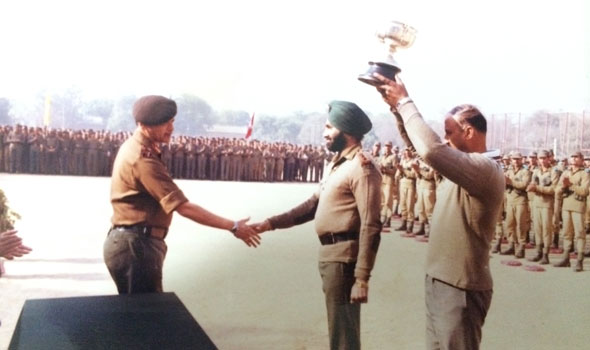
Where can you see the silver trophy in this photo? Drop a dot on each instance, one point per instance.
(395, 36)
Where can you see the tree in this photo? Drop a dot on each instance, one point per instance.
(194, 115)
(7, 216)
(237, 118)
(5, 117)
(122, 117)
(99, 108)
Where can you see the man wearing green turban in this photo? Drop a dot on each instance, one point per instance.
(346, 210)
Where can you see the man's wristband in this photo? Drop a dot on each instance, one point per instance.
(402, 102)
(362, 284)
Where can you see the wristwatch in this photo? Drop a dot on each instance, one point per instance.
(402, 102)
(234, 228)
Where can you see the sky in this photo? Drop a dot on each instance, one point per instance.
(279, 57)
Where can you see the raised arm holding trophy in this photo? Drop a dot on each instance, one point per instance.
(394, 36)
(458, 283)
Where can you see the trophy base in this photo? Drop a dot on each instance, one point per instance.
(384, 69)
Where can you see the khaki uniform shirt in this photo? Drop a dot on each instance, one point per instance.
(574, 197)
(545, 181)
(142, 191)
(388, 165)
(516, 192)
(468, 203)
(348, 200)
(426, 178)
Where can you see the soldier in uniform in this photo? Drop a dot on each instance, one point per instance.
(376, 150)
(92, 153)
(214, 152)
(35, 151)
(532, 165)
(16, 140)
(388, 167)
(573, 187)
(236, 159)
(280, 164)
(557, 203)
(79, 153)
(290, 163)
(65, 148)
(144, 198)
(426, 195)
(407, 191)
(542, 187)
(346, 213)
(587, 214)
(179, 156)
(52, 153)
(202, 150)
(517, 180)
(499, 232)
(191, 158)
(224, 161)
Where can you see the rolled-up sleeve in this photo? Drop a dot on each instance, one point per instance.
(155, 179)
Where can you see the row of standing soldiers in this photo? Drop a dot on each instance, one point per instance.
(408, 188)
(541, 197)
(37, 150)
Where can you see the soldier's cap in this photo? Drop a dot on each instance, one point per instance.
(533, 155)
(388, 144)
(349, 118)
(543, 154)
(577, 154)
(505, 157)
(515, 155)
(377, 144)
(154, 110)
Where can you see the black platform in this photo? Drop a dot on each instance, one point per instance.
(140, 321)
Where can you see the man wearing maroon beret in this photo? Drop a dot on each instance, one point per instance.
(144, 197)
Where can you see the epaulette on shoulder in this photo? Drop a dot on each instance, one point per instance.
(147, 152)
(366, 159)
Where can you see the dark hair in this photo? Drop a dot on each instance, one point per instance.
(471, 115)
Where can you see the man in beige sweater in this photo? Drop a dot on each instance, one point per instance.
(458, 284)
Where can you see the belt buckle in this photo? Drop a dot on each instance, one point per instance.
(332, 238)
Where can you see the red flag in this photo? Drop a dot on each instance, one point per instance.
(250, 127)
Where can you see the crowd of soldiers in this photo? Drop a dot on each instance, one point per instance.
(37, 150)
(545, 200)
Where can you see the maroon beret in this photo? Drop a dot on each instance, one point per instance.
(154, 110)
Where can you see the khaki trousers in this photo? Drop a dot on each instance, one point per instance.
(517, 222)
(425, 203)
(344, 318)
(543, 221)
(407, 198)
(454, 317)
(573, 223)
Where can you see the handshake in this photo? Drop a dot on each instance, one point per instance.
(250, 233)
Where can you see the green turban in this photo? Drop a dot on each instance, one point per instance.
(349, 118)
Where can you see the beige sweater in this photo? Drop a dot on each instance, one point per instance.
(468, 202)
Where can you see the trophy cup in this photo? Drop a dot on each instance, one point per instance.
(395, 35)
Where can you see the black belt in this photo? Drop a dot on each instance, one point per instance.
(147, 231)
(331, 238)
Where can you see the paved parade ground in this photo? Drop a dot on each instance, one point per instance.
(269, 297)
